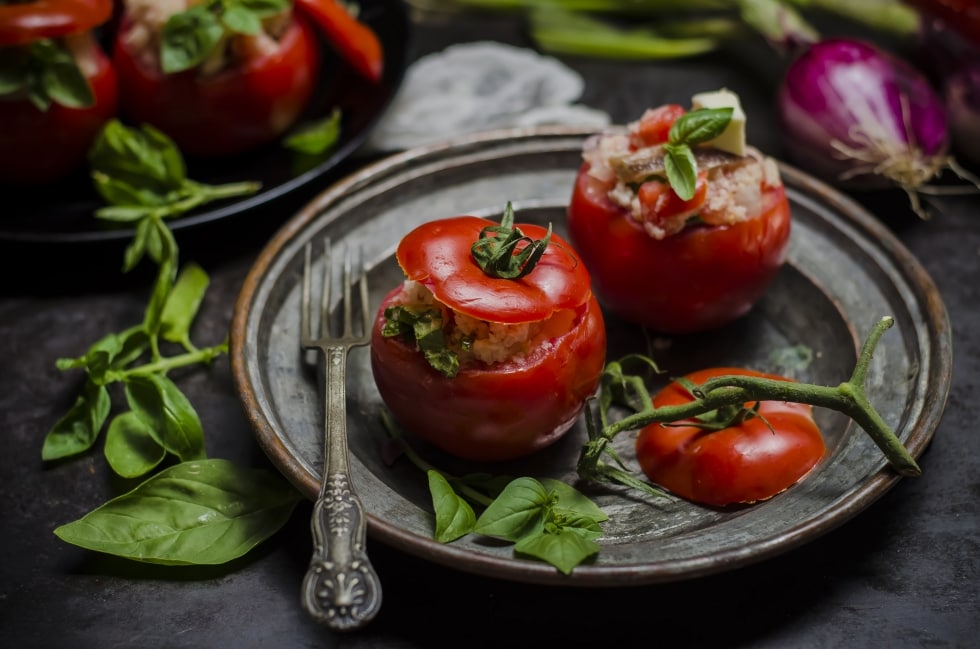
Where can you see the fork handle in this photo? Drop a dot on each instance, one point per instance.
(341, 589)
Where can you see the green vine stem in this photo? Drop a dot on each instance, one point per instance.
(849, 398)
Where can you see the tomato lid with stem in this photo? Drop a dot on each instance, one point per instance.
(30, 20)
(439, 255)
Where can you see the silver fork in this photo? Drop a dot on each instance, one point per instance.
(341, 589)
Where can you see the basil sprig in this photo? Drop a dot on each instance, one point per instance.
(545, 519)
(198, 510)
(47, 73)
(191, 36)
(695, 127)
(141, 173)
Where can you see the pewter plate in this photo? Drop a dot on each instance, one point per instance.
(845, 271)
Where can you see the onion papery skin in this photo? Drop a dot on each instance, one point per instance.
(852, 95)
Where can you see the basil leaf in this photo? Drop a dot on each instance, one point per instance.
(59, 78)
(571, 499)
(454, 516)
(241, 20)
(132, 343)
(156, 242)
(265, 8)
(161, 289)
(123, 194)
(79, 428)
(422, 326)
(129, 448)
(700, 125)
(188, 38)
(137, 247)
(122, 214)
(167, 414)
(201, 512)
(562, 547)
(317, 137)
(144, 158)
(183, 303)
(682, 170)
(47, 72)
(515, 511)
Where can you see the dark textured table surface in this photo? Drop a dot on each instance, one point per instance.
(903, 573)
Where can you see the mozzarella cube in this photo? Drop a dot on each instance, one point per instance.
(732, 138)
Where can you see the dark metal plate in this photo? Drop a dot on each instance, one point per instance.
(845, 271)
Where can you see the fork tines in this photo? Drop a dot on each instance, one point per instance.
(311, 338)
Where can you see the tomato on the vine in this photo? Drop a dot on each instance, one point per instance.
(738, 457)
(248, 102)
(59, 87)
(677, 265)
(528, 352)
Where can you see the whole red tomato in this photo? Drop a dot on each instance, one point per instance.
(501, 410)
(218, 114)
(748, 461)
(41, 145)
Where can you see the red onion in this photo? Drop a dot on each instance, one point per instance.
(857, 116)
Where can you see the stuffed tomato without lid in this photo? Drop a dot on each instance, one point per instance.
(496, 368)
(59, 87)
(680, 262)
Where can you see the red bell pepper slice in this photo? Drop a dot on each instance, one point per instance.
(355, 41)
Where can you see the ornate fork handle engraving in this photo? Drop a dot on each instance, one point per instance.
(341, 588)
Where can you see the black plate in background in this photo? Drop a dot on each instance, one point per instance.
(62, 213)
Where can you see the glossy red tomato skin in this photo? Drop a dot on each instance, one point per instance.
(492, 413)
(21, 23)
(699, 279)
(437, 254)
(227, 113)
(745, 463)
(43, 146)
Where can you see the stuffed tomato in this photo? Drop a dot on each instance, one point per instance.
(213, 95)
(680, 261)
(486, 363)
(58, 87)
